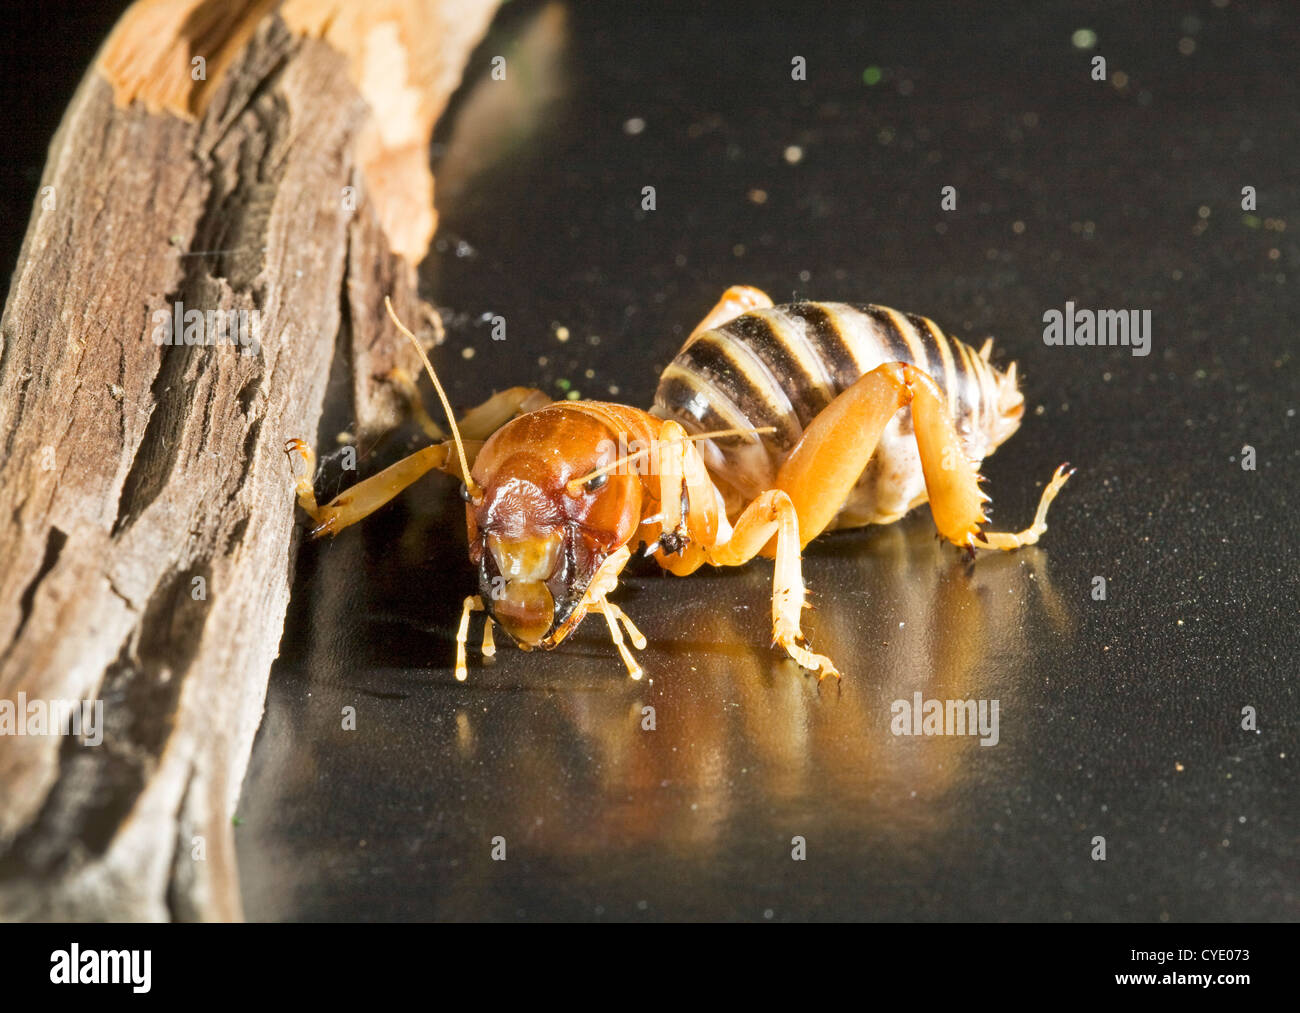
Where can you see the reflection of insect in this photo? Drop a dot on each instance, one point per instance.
(770, 426)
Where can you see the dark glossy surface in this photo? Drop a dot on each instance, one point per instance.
(1118, 718)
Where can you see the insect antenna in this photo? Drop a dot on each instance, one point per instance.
(606, 469)
(472, 486)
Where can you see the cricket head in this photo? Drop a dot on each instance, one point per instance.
(546, 543)
(549, 514)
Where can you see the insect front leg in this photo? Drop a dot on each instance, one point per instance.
(364, 498)
(603, 584)
(690, 508)
(613, 615)
(367, 496)
(472, 604)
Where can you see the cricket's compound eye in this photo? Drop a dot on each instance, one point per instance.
(524, 606)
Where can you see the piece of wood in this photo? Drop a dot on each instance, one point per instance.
(146, 509)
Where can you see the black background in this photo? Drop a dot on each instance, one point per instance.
(1119, 718)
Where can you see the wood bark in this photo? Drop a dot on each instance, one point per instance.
(146, 512)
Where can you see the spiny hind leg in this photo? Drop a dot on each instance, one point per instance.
(736, 300)
(772, 514)
(1006, 540)
(951, 480)
(835, 448)
(366, 496)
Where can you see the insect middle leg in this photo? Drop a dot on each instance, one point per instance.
(770, 518)
(478, 423)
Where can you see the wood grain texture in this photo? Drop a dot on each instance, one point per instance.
(134, 475)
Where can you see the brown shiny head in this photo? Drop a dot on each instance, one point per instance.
(541, 522)
(536, 534)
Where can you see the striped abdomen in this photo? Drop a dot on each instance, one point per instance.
(780, 367)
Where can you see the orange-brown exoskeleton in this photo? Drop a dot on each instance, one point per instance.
(772, 425)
